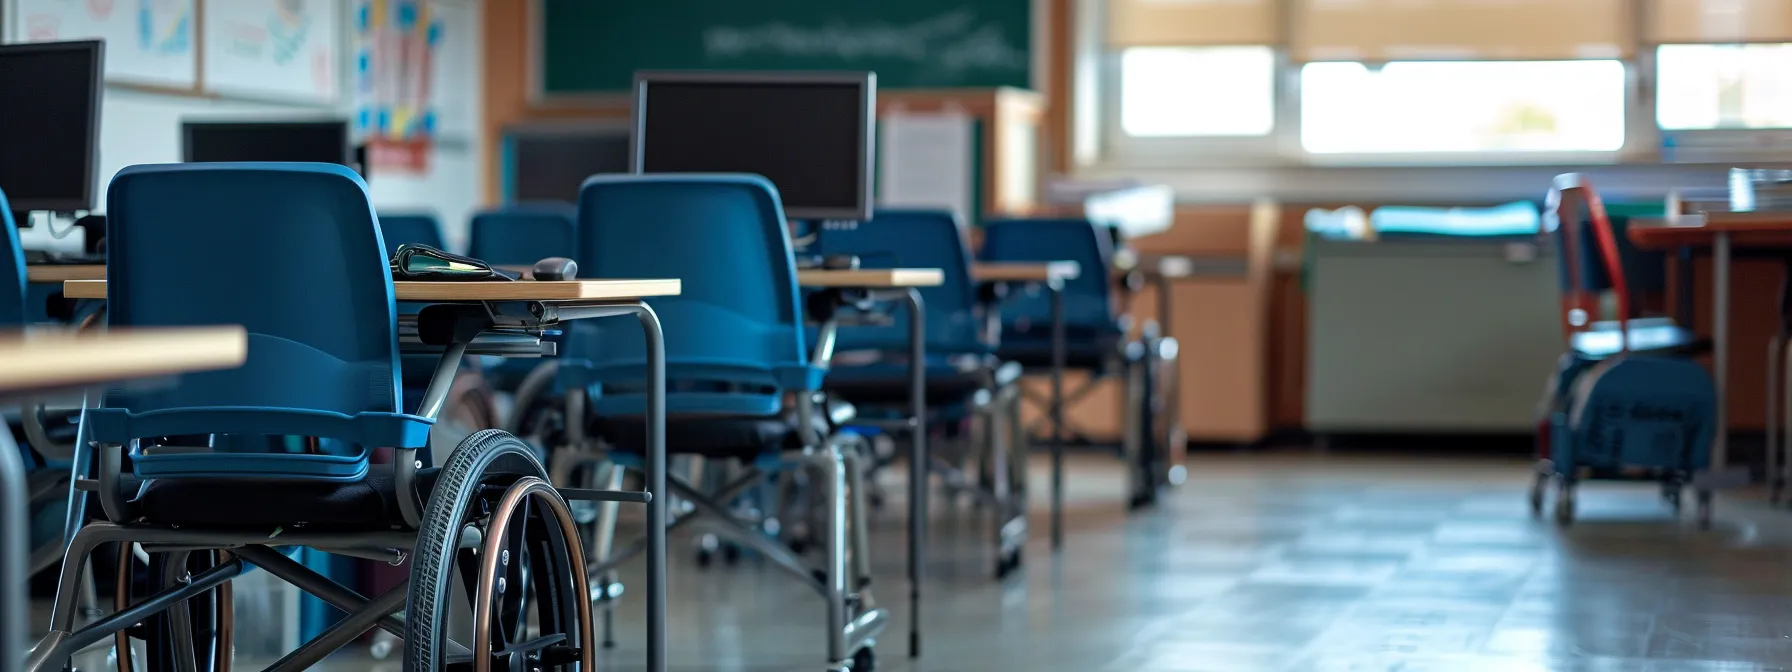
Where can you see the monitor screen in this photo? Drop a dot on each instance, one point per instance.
(49, 124)
(551, 165)
(299, 141)
(810, 134)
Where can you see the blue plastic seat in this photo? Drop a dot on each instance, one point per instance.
(412, 228)
(321, 356)
(524, 233)
(956, 351)
(1092, 332)
(520, 235)
(734, 337)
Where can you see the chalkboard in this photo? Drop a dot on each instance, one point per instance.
(595, 46)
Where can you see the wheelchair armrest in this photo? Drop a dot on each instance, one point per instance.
(37, 436)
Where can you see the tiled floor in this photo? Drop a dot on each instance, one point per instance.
(1290, 562)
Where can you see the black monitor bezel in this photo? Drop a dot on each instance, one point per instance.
(188, 126)
(866, 81)
(96, 51)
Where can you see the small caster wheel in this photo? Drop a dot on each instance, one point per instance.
(798, 545)
(865, 659)
(1704, 510)
(705, 557)
(731, 554)
(1565, 504)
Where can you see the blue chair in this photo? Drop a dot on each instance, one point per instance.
(413, 228)
(964, 378)
(520, 235)
(278, 451)
(740, 380)
(1095, 339)
(47, 448)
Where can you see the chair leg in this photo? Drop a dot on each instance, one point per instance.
(1775, 376)
(605, 539)
(180, 616)
(831, 470)
(855, 459)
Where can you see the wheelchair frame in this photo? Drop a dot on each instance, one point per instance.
(471, 324)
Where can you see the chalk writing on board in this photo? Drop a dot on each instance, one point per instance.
(955, 43)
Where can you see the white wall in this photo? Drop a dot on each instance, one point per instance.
(138, 127)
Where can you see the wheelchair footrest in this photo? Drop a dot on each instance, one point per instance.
(581, 494)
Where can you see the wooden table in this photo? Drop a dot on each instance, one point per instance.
(1721, 231)
(869, 278)
(39, 362)
(901, 284)
(571, 299)
(48, 273)
(1048, 272)
(559, 291)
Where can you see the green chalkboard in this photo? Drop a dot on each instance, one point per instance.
(595, 46)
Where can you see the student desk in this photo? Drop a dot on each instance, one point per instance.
(40, 362)
(899, 284)
(1052, 275)
(48, 273)
(1720, 231)
(529, 305)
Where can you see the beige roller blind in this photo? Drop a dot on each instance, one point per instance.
(1176, 23)
(1721, 21)
(1380, 30)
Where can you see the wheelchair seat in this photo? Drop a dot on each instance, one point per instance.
(1084, 348)
(950, 381)
(340, 506)
(744, 438)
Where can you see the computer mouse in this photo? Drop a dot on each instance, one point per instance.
(555, 268)
(840, 262)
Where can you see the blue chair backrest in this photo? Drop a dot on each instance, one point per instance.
(399, 229)
(1087, 300)
(737, 321)
(913, 239)
(307, 279)
(1645, 271)
(523, 234)
(13, 286)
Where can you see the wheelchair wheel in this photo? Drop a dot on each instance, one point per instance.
(493, 517)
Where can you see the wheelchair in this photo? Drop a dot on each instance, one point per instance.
(230, 471)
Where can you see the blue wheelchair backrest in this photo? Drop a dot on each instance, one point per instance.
(913, 239)
(292, 252)
(414, 228)
(12, 271)
(523, 234)
(1087, 298)
(737, 321)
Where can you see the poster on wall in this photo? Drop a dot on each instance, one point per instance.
(147, 41)
(398, 44)
(275, 49)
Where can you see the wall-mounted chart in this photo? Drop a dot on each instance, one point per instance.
(276, 49)
(147, 41)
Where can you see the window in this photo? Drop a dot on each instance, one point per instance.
(1197, 91)
(1463, 107)
(1712, 86)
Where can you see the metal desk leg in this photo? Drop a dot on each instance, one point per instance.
(917, 466)
(15, 542)
(656, 486)
(1720, 349)
(1058, 355)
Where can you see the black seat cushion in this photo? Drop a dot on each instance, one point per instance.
(880, 386)
(1086, 350)
(367, 504)
(743, 438)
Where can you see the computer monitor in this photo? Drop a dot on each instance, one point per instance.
(50, 124)
(811, 134)
(298, 141)
(547, 162)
